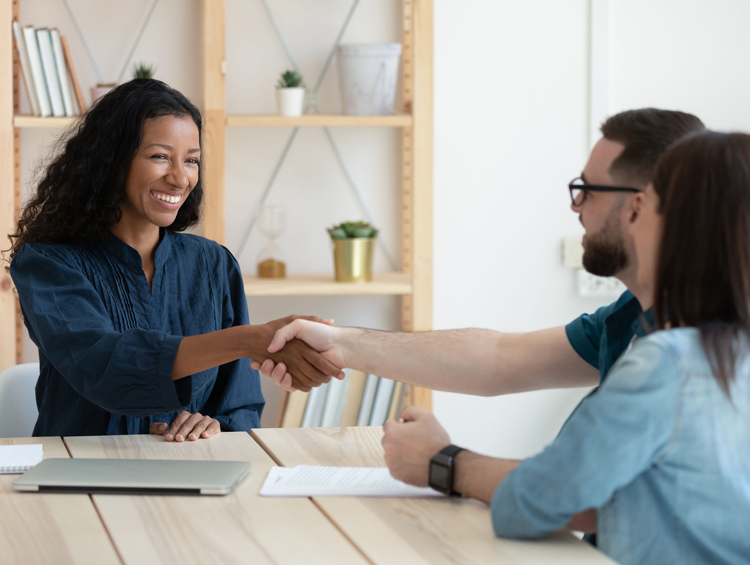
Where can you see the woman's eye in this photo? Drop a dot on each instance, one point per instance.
(194, 161)
(159, 156)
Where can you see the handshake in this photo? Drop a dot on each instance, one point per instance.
(302, 352)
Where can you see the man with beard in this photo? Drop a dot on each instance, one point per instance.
(489, 363)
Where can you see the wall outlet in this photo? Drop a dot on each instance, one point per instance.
(591, 285)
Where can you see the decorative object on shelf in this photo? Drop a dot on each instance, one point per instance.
(290, 94)
(103, 87)
(142, 70)
(353, 251)
(100, 90)
(368, 76)
(271, 223)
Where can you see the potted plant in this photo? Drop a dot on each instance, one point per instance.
(142, 70)
(290, 94)
(353, 251)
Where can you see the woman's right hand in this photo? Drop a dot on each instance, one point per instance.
(307, 367)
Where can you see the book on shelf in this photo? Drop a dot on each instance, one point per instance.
(315, 405)
(47, 68)
(368, 397)
(73, 77)
(397, 401)
(353, 398)
(333, 400)
(357, 400)
(62, 72)
(294, 409)
(50, 72)
(382, 402)
(35, 60)
(28, 77)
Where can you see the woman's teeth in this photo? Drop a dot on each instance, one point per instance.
(170, 199)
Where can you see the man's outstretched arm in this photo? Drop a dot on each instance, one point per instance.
(471, 361)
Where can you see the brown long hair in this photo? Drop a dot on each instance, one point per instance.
(703, 266)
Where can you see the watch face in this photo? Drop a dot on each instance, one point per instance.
(439, 476)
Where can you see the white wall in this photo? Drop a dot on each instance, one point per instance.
(511, 129)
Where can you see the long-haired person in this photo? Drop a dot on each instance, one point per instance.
(138, 325)
(657, 461)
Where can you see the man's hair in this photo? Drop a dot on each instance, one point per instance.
(646, 134)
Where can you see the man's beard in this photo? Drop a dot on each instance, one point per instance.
(605, 253)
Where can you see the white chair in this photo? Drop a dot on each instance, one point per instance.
(18, 412)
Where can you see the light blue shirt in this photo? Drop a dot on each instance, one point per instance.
(659, 450)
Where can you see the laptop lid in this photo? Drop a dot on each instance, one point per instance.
(131, 476)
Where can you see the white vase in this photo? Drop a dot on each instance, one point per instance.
(290, 101)
(368, 75)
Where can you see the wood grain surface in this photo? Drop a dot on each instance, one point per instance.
(238, 528)
(429, 531)
(49, 528)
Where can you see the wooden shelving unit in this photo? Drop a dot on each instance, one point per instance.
(265, 120)
(322, 285)
(413, 283)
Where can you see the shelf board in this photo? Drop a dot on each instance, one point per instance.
(312, 285)
(332, 120)
(22, 121)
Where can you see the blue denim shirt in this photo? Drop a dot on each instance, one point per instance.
(660, 451)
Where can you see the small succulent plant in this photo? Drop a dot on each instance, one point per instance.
(142, 70)
(291, 79)
(351, 230)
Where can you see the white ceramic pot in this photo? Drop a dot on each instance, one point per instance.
(291, 101)
(368, 75)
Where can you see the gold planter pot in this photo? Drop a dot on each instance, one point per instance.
(353, 258)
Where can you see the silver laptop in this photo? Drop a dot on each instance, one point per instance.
(133, 476)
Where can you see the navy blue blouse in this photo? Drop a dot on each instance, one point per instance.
(107, 344)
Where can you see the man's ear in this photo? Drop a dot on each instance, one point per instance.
(633, 207)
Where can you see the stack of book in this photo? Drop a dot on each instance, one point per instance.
(48, 72)
(357, 400)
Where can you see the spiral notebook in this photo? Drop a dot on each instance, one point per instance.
(19, 458)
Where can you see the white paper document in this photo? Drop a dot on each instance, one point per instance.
(19, 458)
(309, 480)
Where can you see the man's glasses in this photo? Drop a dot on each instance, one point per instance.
(579, 190)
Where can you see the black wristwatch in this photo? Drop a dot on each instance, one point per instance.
(441, 469)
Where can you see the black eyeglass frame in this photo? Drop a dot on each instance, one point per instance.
(595, 188)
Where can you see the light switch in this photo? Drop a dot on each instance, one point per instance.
(572, 252)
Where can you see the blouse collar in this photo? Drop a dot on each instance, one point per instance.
(129, 256)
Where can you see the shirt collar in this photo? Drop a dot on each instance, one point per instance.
(129, 256)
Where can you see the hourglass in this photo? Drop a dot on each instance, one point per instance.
(271, 223)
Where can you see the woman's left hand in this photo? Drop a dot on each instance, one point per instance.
(187, 426)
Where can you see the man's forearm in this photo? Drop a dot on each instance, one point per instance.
(471, 361)
(477, 476)
(450, 360)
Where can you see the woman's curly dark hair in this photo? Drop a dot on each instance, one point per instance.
(80, 194)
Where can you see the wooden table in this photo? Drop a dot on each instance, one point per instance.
(239, 528)
(402, 530)
(245, 528)
(50, 528)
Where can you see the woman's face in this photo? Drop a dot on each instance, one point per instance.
(163, 172)
(646, 233)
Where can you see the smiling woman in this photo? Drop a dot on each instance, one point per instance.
(139, 327)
